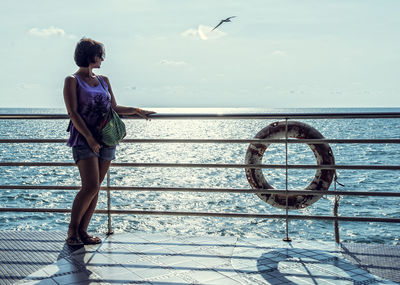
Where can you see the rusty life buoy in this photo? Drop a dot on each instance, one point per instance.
(323, 154)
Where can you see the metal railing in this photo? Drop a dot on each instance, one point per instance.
(109, 188)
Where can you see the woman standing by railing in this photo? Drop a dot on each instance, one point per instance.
(87, 98)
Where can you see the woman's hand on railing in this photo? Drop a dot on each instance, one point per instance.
(144, 113)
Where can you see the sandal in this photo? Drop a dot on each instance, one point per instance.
(90, 240)
(74, 241)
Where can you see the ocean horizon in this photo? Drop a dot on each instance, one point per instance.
(50, 110)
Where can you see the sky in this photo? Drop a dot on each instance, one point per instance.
(274, 54)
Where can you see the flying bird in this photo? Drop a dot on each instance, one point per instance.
(223, 21)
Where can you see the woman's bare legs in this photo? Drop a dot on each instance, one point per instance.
(90, 177)
(103, 166)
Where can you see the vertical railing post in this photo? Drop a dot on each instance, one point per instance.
(109, 231)
(335, 212)
(287, 238)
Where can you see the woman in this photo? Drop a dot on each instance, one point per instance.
(87, 97)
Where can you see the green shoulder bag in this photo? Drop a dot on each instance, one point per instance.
(112, 130)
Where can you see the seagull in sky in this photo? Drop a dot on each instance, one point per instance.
(223, 21)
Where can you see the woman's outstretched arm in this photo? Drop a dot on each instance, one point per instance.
(123, 110)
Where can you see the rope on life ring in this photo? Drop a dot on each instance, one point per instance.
(323, 154)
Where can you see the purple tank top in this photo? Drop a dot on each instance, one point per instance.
(93, 103)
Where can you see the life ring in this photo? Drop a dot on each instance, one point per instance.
(323, 153)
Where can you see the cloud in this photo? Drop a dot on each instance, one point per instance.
(190, 33)
(278, 53)
(172, 62)
(28, 86)
(130, 88)
(204, 33)
(50, 32)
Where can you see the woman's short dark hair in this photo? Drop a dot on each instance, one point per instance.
(85, 51)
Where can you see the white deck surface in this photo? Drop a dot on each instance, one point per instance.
(141, 258)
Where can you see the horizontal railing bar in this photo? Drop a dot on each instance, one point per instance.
(355, 115)
(213, 214)
(41, 187)
(255, 191)
(33, 116)
(37, 164)
(33, 140)
(217, 165)
(239, 141)
(255, 141)
(207, 190)
(260, 166)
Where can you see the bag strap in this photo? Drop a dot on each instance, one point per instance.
(100, 79)
(108, 116)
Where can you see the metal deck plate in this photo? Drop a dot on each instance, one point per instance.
(43, 258)
(22, 253)
(378, 259)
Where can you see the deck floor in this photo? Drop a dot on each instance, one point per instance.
(142, 258)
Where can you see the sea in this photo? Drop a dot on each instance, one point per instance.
(345, 154)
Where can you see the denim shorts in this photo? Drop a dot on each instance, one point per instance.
(83, 151)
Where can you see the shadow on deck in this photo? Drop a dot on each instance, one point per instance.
(141, 258)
